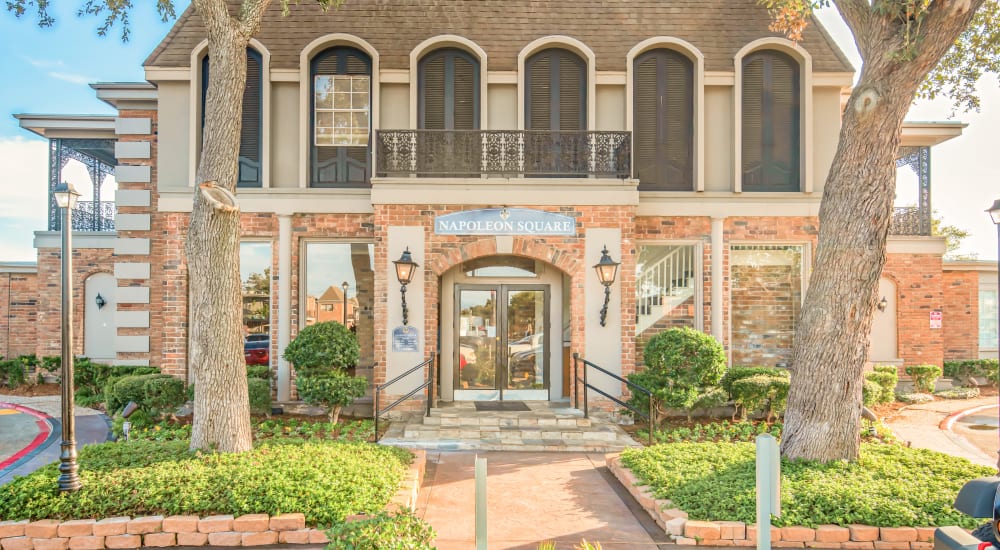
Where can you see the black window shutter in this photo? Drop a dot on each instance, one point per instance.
(540, 93)
(556, 94)
(771, 122)
(663, 120)
(448, 91)
(252, 119)
(432, 94)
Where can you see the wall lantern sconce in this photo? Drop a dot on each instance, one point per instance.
(607, 270)
(882, 304)
(101, 302)
(405, 269)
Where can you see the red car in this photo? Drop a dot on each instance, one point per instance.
(257, 352)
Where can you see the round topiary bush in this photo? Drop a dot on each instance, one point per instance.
(323, 348)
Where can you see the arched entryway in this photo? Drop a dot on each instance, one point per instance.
(884, 347)
(99, 317)
(504, 329)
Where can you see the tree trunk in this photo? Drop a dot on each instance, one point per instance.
(221, 406)
(822, 421)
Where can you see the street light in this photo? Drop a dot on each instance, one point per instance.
(344, 286)
(69, 481)
(606, 269)
(995, 214)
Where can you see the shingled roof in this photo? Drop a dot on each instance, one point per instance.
(719, 28)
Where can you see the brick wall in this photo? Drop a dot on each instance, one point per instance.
(18, 313)
(86, 262)
(961, 315)
(919, 282)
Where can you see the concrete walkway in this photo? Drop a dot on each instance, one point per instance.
(921, 425)
(91, 427)
(531, 497)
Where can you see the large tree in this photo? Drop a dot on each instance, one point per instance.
(900, 43)
(221, 406)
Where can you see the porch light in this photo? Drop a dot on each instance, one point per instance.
(405, 269)
(607, 270)
(882, 304)
(65, 195)
(100, 301)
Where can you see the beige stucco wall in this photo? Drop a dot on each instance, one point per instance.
(284, 134)
(610, 108)
(502, 106)
(395, 107)
(825, 131)
(172, 144)
(719, 138)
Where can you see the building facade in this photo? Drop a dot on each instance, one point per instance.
(506, 147)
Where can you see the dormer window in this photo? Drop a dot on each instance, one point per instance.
(340, 105)
(771, 122)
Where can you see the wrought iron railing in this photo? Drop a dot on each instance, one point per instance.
(910, 220)
(88, 216)
(577, 360)
(428, 383)
(471, 153)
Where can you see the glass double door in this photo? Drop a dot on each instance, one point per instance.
(501, 342)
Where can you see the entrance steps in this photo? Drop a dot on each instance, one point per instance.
(545, 427)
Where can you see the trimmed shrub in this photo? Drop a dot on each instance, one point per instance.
(321, 348)
(958, 393)
(262, 372)
(682, 366)
(383, 532)
(886, 378)
(740, 372)
(871, 393)
(964, 372)
(923, 377)
(156, 394)
(90, 379)
(13, 373)
(333, 391)
(761, 392)
(260, 396)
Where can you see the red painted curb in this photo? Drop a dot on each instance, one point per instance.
(44, 429)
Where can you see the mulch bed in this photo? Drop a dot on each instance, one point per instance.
(32, 390)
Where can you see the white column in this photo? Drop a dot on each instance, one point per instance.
(284, 303)
(603, 345)
(718, 250)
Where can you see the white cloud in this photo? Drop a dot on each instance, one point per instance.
(45, 63)
(72, 78)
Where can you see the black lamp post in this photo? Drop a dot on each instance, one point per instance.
(344, 287)
(607, 270)
(69, 481)
(995, 214)
(405, 268)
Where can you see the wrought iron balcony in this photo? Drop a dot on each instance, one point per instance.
(533, 153)
(89, 216)
(910, 220)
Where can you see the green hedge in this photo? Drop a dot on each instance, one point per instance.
(963, 371)
(260, 396)
(322, 348)
(91, 379)
(326, 481)
(383, 532)
(889, 486)
(923, 376)
(740, 372)
(886, 377)
(155, 394)
(259, 371)
(761, 393)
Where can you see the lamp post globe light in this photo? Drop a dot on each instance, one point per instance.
(994, 212)
(345, 286)
(69, 481)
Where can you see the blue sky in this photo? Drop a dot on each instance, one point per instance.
(48, 71)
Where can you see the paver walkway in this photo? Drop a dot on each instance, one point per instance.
(532, 497)
(91, 427)
(919, 424)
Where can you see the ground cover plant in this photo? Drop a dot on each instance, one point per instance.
(726, 431)
(715, 481)
(277, 428)
(383, 532)
(324, 480)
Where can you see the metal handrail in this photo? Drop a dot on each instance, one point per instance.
(648, 415)
(428, 383)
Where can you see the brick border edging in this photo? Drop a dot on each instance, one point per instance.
(736, 533)
(160, 531)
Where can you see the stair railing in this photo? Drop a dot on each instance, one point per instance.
(648, 415)
(428, 383)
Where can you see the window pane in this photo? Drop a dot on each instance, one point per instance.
(255, 274)
(324, 84)
(324, 120)
(359, 139)
(341, 101)
(324, 136)
(328, 265)
(765, 298)
(360, 101)
(987, 319)
(360, 84)
(667, 279)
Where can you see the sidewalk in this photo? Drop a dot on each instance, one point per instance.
(920, 424)
(91, 427)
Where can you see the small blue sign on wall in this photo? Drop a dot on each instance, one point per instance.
(505, 221)
(405, 339)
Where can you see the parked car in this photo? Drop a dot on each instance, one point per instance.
(257, 351)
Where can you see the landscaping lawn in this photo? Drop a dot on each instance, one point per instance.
(323, 479)
(889, 486)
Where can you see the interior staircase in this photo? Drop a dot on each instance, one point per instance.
(666, 288)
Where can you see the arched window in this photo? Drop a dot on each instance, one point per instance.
(771, 122)
(663, 120)
(340, 107)
(555, 91)
(448, 91)
(253, 110)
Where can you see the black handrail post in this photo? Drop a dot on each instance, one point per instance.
(650, 420)
(377, 413)
(586, 384)
(430, 388)
(576, 380)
